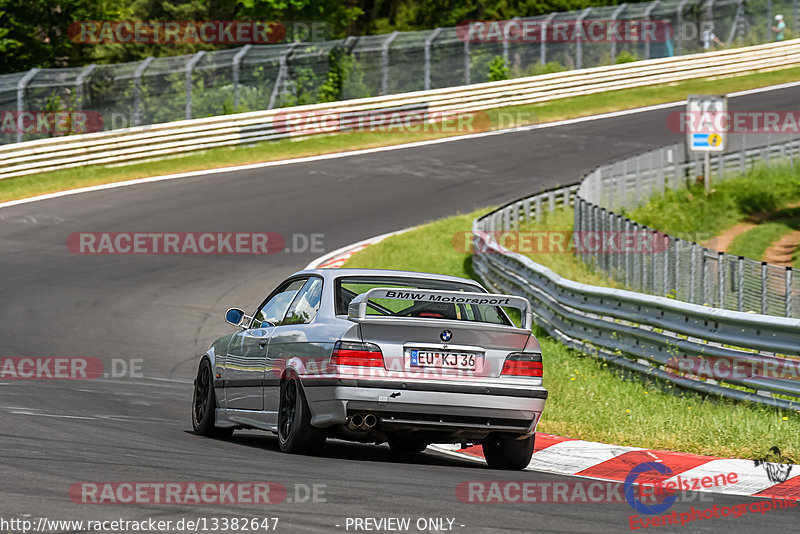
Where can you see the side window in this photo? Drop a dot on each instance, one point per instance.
(306, 303)
(275, 308)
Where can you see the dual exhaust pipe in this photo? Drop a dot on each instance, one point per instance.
(362, 422)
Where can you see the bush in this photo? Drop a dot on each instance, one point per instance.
(498, 70)
(625, 57)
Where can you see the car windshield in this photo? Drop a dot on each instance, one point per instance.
(347, 288)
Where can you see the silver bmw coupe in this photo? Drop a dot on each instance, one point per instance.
(378, 356)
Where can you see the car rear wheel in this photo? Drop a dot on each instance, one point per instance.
(295, 433)
(507, 452)
(204, 404)
(407, 445)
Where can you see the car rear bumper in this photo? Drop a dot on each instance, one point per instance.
(435, 406)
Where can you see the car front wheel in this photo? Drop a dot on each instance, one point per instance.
(507, 452)
(204, 404)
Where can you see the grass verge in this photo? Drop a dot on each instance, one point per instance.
(690, 212)
(753, 243)
(588, 399)
(27, 186)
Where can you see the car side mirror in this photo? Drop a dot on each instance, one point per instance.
(235, 317)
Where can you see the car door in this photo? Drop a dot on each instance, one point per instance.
(291, 339)
(246, 362)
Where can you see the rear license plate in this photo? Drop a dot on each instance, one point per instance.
(443, 359)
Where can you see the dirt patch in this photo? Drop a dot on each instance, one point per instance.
(722, 242)
(780, 252)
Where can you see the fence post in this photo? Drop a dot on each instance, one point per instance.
(137, 90)
(576, 224)
(538, 203)
(740, 276)
(692, 271)
(737, 22)
(627, 255)
(710, 11)
(678, 268)
(543, 39)
(647, 13)
(282, 73)
(788, 291)
(596, 229)
(428, 42)
(385, 62)
(623, 185)
(579, 41)
(721, 278)
(638, 179)
(189, 67)
(614, 17)
(769, 20)
(743, 158)
(619, 260)
(505, 44)
(466, 63)
(763, 287)
(638, 262)
(79, 81)
(21, 85)
(237, 60)
(705, 282)
(665, 272)
(679, 24)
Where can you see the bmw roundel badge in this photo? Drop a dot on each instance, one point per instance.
(446, 335)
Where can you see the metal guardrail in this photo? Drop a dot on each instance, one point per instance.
(683, 269)
(645, 334)
(257, 77)
(181, 137)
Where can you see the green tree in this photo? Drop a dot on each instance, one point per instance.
(36, 34)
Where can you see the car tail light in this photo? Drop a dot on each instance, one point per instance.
(522, 364)
(360, 354)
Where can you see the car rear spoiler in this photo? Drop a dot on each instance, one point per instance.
(357, 311)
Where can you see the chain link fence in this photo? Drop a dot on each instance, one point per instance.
(669, 266)
(258, 77)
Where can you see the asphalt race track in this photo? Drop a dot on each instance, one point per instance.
(161, 312)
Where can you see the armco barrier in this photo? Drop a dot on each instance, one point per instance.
(176, 138)
(641, 333)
